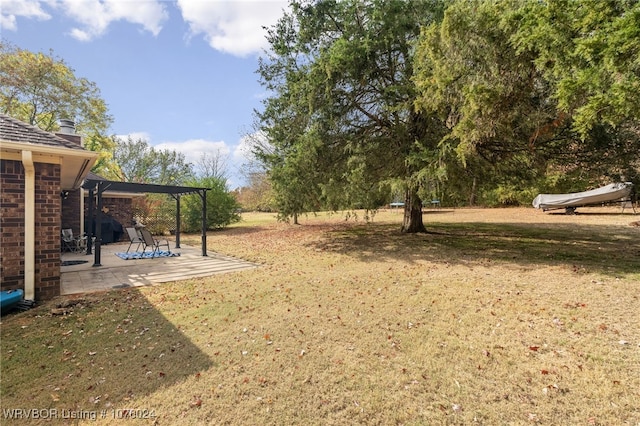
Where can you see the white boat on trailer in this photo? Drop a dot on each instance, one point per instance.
(619, 192)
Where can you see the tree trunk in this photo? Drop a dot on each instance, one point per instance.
(474, 188)
(412, 222)
(295, 218)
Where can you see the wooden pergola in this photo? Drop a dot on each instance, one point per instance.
(97, 187)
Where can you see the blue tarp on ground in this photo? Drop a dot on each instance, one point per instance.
(146, 255)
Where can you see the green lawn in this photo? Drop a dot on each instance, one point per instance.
(505, 316)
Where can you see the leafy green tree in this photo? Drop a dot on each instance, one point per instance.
(41, 89)
(514, 83)
(171, 168)
(222, 207)
(135, 160)
(286, 118)
(139, 162)
(295, 180)
(343, 95)
(493, 99)
(589, 52)
(103, 145)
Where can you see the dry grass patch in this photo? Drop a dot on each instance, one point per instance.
(495, 317)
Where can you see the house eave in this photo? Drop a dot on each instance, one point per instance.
(74, 163)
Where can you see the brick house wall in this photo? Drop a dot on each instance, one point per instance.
(71, 212)
(119, 208)
(57, 161)
(11, 224)
(48, 216)
(47, 227)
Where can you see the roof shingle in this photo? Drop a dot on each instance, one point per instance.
(14, 130)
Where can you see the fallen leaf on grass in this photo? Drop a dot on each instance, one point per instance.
(553, 387)
(197, 402)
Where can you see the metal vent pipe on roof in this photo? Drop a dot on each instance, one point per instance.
(67, 127)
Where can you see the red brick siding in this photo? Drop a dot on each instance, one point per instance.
(47, 227)
(119, 208)
(11, 224)
(48, 218)
(71, 212)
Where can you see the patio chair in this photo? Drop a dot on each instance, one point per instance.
(71, 243)
(134, 237)
(149, 241)
(68, 242)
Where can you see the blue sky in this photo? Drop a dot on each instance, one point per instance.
(180, 74)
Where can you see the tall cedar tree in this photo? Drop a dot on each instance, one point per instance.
(341, 120)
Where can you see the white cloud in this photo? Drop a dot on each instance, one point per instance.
(135, 136)
(12, 9)
(234, 27)
(230, 26)
(194, 149)
(243, 151)
(95, 16)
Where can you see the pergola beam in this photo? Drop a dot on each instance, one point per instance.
(97, 187)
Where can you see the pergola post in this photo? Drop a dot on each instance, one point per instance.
(203, 196)
(96, 259)
(98, 187)
(178, 221)
(88, 225)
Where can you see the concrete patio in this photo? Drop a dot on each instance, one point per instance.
(119, 273)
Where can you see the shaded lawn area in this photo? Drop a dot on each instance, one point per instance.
(92, 351)
(483, 320)
(604, 249)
